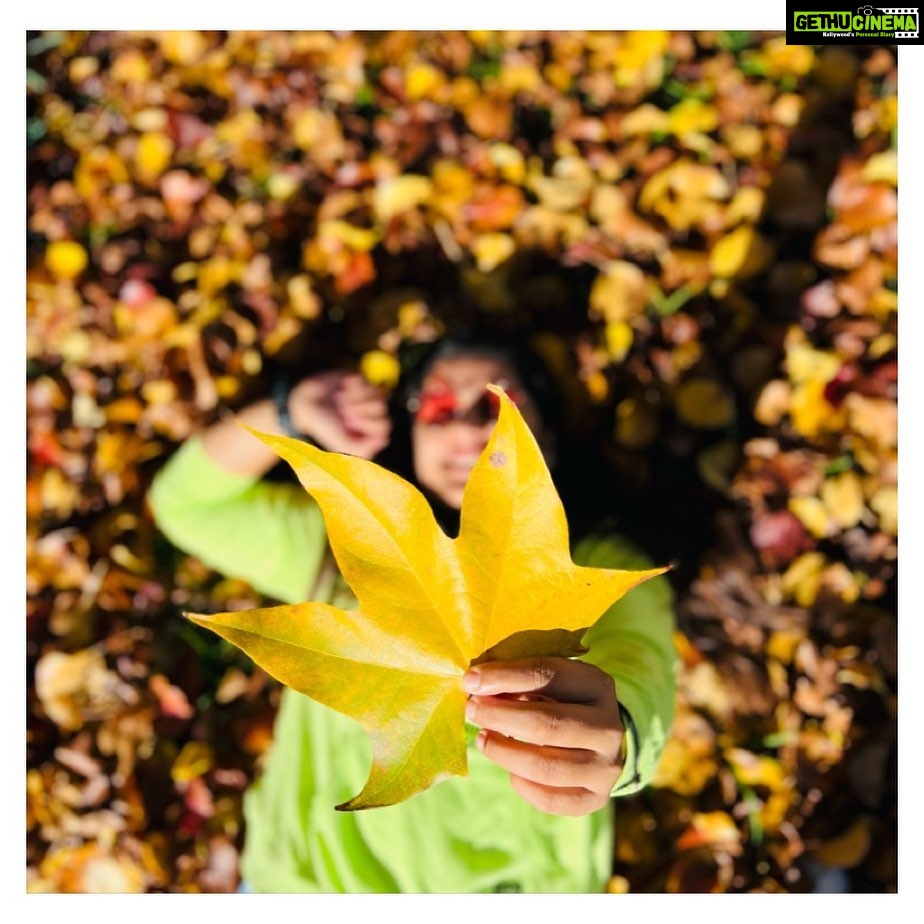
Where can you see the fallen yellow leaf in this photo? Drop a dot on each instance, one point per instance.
(710, 828)
(813, 514)
(380, 368)
(618, 340)
(65, 259)
(843, 497)
(423, 80)
(881, 168)
(492, 249)
(399, 194)
(620, 292)
(885, 503)
(153, 154)
(692, 115)
(740, 253)
(195, 759)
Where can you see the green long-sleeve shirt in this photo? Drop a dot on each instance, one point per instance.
(465, 834)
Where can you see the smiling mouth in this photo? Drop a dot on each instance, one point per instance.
(458, 470)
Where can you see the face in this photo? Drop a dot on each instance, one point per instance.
(455, 417)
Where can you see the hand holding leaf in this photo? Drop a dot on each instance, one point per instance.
(429, 606)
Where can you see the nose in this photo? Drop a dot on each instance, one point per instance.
(467, 436)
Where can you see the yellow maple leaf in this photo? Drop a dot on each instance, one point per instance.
(429, 606)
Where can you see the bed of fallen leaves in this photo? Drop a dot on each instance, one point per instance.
(697, 228)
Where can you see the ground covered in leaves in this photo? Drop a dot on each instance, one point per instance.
(697, 229)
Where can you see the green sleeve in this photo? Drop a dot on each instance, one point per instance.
(634, 643)
(269, 534)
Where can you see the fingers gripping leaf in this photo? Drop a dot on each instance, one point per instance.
(429, 606)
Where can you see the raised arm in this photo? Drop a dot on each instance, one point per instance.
(211, 501)
(339, 410)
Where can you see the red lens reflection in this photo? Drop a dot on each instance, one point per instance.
(437, 408)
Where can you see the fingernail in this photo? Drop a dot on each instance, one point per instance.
(471, 681)
(470, 708)
(480, 739)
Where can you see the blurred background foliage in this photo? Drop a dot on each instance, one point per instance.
(698, 230)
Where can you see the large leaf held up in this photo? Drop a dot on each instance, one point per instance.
(429, 606)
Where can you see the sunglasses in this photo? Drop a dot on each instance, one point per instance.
(439, 406)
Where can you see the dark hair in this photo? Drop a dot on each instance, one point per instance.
(529, 367)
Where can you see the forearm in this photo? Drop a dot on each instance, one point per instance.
(339, 411)
(271, 535)
(231, 447)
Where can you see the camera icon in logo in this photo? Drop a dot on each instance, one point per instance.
(867, 10)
